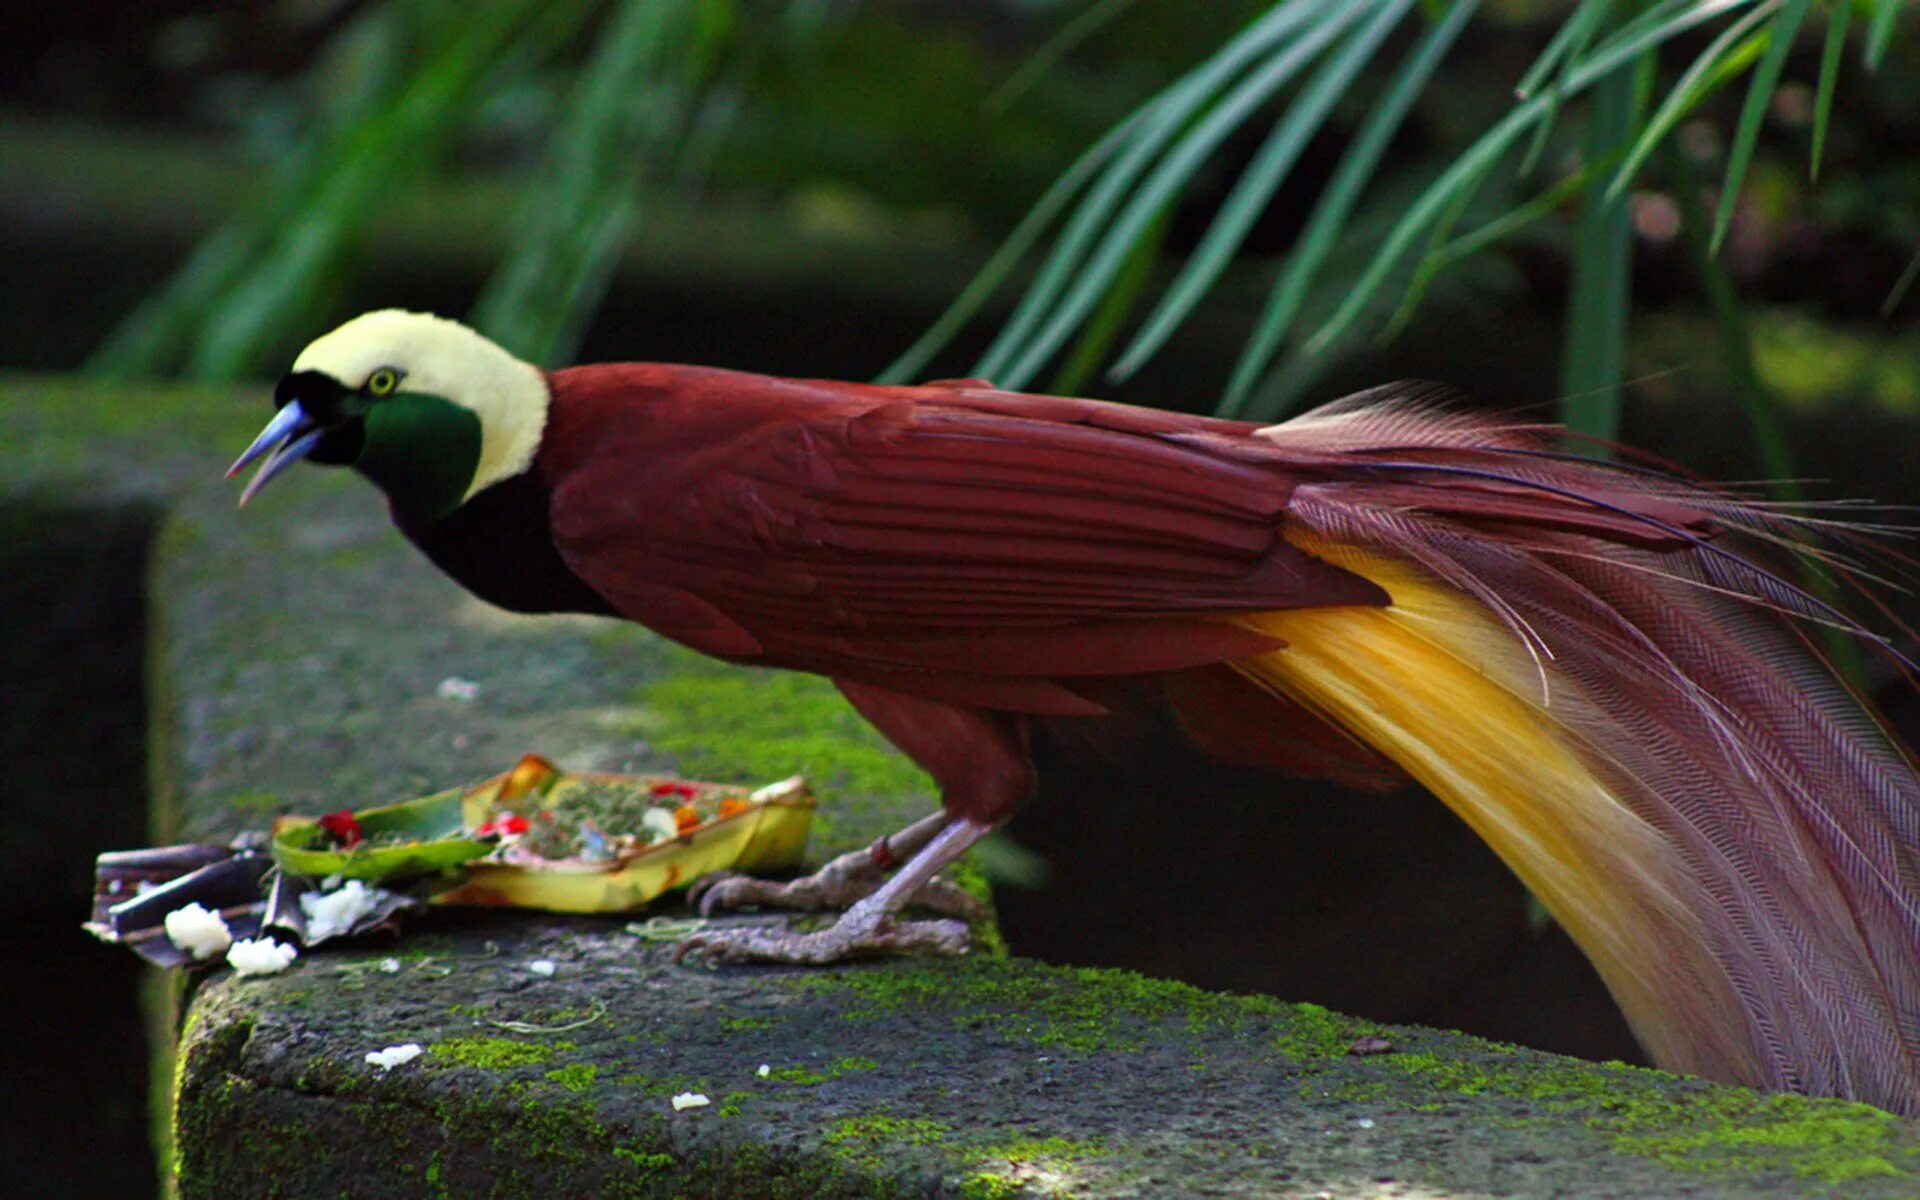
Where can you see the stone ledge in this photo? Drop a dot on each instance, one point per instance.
(975, 1078)
(295, 657)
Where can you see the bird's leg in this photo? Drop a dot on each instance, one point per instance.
(842, 881)
(870, 926)
(979, 760)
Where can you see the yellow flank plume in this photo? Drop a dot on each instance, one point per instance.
(1448, 692)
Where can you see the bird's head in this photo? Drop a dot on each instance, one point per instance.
(423, 406)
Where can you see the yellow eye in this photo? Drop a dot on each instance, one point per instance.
(383, 381)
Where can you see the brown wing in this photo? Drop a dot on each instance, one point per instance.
(864, 531)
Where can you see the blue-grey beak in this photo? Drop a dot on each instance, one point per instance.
(289, 437)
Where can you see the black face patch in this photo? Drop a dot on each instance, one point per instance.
(340, 413)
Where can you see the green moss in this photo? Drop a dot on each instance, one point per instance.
(1090, 1010)
(663, 1086)
(649, 1163)
(1463, 1078)
(1827, 1140)
(756, 726)
(858, 1141)
(1679, 1122)
(560, 1127)
(575, 1077)
(491, 1053)
(832, 1070)
(915, 1131)
(985, 1185)
(1314, 1034)
(1023, 1150)
(1051, 1152)
(742, 1024)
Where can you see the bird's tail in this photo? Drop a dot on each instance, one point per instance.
(1590, 665)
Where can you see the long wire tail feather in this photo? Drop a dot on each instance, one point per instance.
(1596, 667)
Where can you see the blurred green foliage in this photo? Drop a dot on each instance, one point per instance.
(1330, 166)
(1609, 84)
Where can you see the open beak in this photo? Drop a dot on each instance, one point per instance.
(287, 439)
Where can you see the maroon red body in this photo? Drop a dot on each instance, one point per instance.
(953, 556)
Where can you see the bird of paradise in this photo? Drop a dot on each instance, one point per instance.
(1594, 665)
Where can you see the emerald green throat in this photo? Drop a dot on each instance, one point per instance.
(422, 451)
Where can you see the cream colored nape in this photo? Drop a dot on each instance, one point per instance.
(444, 358)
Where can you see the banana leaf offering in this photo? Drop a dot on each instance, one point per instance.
(533, 837)
(539, 837)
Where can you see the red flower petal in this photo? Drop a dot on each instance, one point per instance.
(344, 827)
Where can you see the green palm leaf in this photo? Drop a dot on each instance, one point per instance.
(622, 120)
(1270, 50)
(1112, 200)
(1336, 204)
(1257, 185)
(1759, 95)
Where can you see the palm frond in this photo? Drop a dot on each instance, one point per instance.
(1600, 292)
(1336, 204)
(1562, 52)
(1100, 213)
(252, 284)
(1759, 94)
(1093, 244)
(1257, 185)
(623, 116)
(1880, 36)
(1830, 54)
(1725, 57)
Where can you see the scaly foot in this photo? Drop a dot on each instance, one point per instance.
(847, 938)
(841, 883)
(871, 926)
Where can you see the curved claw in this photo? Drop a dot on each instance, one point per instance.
(708, 892)
(694, 945)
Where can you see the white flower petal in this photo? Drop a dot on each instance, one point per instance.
(331, 913)
(260, 956)
(198, 930)
(393, 1056)
(660, 824)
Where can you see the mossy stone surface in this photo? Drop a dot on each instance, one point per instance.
(297, 653)
(972, 1078)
